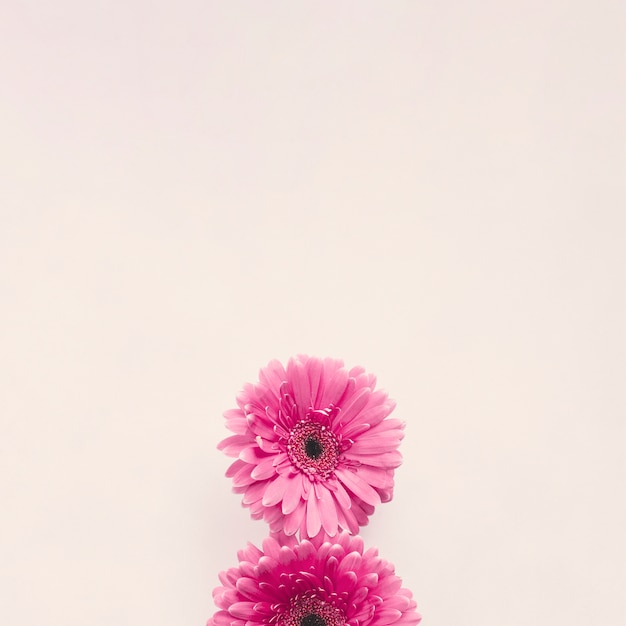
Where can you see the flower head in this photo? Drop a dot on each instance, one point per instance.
(319, 582)
(315, 448)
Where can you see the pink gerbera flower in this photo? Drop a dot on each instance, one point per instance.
(314, 445)
(318, 582)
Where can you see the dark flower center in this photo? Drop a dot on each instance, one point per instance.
(313, 449)
(306, 609)
(312, 619)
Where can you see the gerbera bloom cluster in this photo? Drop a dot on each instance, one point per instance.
(316, 452)
(315, 447)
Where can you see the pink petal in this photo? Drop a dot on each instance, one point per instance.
(234, 444)
(265, 469)
(242, 478)
(315, 369)
(306, 487)
(265, 608)
(293, 493)
(341, 495)
(313, 520)
(249, 553)
(266, 564)
(236, 421)
(377, 477)
(358, 486)
(347, 520)
(369, 580)
(275, 490)
(388, 460)
(395, 601)
(327, 510)
(271, 547)
(268, 446)
(347, 582)
(243, 610)
(253, 455)
(387, 616)
(374, 414)
(390, 424)
(281, 461)
(361, 510)
(334, 388)
(305, 550)
(294, 519)
(349, 563)
(410, 618)
(222, 618)
(377, 444)
(355, 405)
(356, 371)
(249, 588)
(353, 430)
(273, 374)
(254, 492)
(261, 426)
(235, 466)
(298, 378)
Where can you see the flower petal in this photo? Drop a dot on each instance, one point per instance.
(297, 375)
(273, 375)
(275, 490)
(334, 388)
(242, 610)
(264, 470)
(387, 616)
(234, 444)
(294, 519)
(313, 520)
(355, 405)
(293, 493)
(358, 486)
(327, 510)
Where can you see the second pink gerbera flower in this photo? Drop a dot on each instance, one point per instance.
(314, 445)
(318, 582)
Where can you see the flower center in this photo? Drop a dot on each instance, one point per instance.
(312, 619)
(307, 610)
(314, 450)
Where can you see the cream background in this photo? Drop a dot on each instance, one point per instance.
(434, 190)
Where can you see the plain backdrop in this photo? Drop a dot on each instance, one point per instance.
(433, 190)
